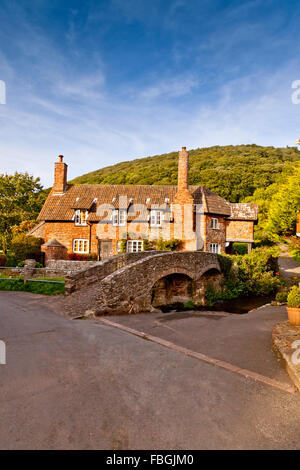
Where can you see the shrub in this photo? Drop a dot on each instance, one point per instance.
(11, 260)
(258, 270)
(2, 260)
(281, 297)
(211, 295)
(168, 245)
(240, 248)
(293, 298)
(189, 305)
(149, 245)
(26, 247)
(21, 264)
(123, 246)
(225, 264)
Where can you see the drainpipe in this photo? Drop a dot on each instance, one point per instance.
(90, 235)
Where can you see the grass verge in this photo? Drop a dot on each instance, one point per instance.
(34, 287)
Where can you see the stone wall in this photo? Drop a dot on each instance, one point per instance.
(239, 230)
(100, 269)
(214, 235)
(71, 265)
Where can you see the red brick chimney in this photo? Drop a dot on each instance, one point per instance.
(60, 176)
(183, 194)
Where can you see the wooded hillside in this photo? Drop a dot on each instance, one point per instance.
(233, 172)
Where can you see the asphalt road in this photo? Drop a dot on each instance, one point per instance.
(71, 384)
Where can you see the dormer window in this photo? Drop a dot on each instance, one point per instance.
(119, 217)
(80, 217)
(156, 218)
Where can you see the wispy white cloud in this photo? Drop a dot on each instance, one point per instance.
(172, 87)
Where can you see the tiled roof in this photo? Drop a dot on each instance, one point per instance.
(244, 211)
(215, 204)
(53, 242)
(91, 197)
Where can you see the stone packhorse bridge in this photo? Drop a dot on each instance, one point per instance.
(138, 282)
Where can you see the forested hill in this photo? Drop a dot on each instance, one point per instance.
(233, 172)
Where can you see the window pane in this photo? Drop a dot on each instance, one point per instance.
(80, 246)
(122, 217)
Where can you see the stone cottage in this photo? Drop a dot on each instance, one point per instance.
(105, 219)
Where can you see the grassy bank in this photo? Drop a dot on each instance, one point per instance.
(36, 287)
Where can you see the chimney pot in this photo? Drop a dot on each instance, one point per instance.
(183, 170)
(60, 176)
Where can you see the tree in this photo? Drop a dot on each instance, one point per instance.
(26, 247)
(21, 199)
(284, 205)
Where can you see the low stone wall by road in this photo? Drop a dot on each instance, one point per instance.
(70, 265)
(91, 274)
(286, 345)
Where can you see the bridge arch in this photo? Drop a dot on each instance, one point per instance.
(172, 287)
(115, 287)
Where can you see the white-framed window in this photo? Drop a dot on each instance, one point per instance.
(156, 218)
(134, 246)
(214, 223)
(119, 217)
(80, 217)
(214, 247)
(80, 245)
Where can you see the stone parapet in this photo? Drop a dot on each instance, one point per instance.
(286, 345)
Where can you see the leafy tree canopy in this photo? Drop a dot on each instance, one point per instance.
(21, 198)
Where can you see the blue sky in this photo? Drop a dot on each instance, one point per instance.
(107, 81)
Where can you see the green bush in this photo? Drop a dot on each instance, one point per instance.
(232, 290)
(259, 270)
(21, 264)
(149, 245)
(11, 260)
(211, 295)
(281, 297)
(123, 246)
(293, 298)
(168, 245)
(26, 247)
(189, 305)
(240, 248)
(225, 264)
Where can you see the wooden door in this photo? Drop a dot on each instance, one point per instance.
(105, 248)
